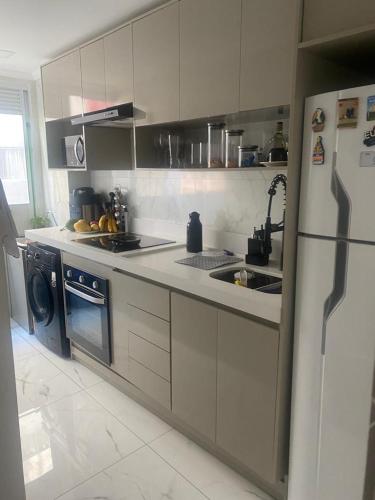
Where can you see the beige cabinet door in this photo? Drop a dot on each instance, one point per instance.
(267, 48)
(194, 344)
(322, 18)
(246, 391)
(71, 86)
(210, 57)
(51, 83)
(156, 66)
(93, 76)
(120, 325)
(118, 58)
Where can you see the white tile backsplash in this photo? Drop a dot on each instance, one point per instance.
(231, 203)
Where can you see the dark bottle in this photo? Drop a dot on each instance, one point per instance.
(278, 151)
(194, 233)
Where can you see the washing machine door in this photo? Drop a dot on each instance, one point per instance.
(40, 297)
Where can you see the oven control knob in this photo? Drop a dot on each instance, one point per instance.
(69, 274)
(95, 285)
(81, 279)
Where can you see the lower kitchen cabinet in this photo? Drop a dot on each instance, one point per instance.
(194, 344)
(247, 368)
(120, 327)
(215, 371)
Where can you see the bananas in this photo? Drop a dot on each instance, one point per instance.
(107, 223)
(112, 226)
(103, 223)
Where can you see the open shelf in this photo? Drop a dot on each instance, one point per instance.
(352, 48)
(184, 145)
(206, 169)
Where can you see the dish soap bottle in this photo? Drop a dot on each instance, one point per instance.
(194, 234)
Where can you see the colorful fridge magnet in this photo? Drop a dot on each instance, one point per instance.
(347, 112)
(371, 108)
(369, 139)
(318, 120)
(318, 152)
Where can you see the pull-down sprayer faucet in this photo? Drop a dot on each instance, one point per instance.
(260, 245)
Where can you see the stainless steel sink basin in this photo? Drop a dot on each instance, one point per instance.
(256, 281)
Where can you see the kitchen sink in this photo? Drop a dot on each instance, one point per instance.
(256, 281)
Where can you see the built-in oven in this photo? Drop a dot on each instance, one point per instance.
(87, 312)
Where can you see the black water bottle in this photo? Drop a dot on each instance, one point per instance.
(194, 234)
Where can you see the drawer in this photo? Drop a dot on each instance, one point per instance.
(150, 356)
(151, 384)
(149, 327)
(151, 298)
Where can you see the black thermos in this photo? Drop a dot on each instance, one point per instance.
(194, 233)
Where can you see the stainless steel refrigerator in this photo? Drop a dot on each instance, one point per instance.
(335, 299)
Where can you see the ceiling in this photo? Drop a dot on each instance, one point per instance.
(39, 30)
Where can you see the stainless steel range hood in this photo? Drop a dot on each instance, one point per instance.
(114, 116)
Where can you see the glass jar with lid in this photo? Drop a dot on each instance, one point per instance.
(215, 148)
(248, 156)
(233, 140)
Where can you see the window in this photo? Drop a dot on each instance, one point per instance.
(13, 165)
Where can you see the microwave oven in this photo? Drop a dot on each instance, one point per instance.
(75, 151)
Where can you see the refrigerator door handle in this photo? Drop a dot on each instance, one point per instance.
(343, 201)
(339, 287)
(337, 294)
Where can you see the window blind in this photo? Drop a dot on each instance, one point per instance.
(11, 101)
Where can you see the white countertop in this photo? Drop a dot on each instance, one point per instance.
(158, 264)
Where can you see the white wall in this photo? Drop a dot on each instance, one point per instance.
(231, 203)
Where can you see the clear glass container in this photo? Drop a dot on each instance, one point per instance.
(233, 140)
(198, 154)
(215, 148)
(248, 156)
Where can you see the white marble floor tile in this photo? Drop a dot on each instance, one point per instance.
(208, 474)
(143, 423)
(21, 348)
(141, 476)
(66, 442)
(40, 382)
(79, 373)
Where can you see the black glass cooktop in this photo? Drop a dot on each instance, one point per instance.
(123, 242)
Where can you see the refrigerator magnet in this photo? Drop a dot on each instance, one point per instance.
(318, 120)
(318, 152)
(367, 159)
(347, 112)
(369, 139)
(370, 108)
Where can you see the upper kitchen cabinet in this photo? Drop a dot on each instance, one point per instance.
(209, 57)
(71, 87)
(322, 18)
(267, 48)
(118, 59)
(93, 76)
(62, 91)
(156, 66)
(51, 81)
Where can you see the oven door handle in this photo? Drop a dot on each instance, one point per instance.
(84, 296)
